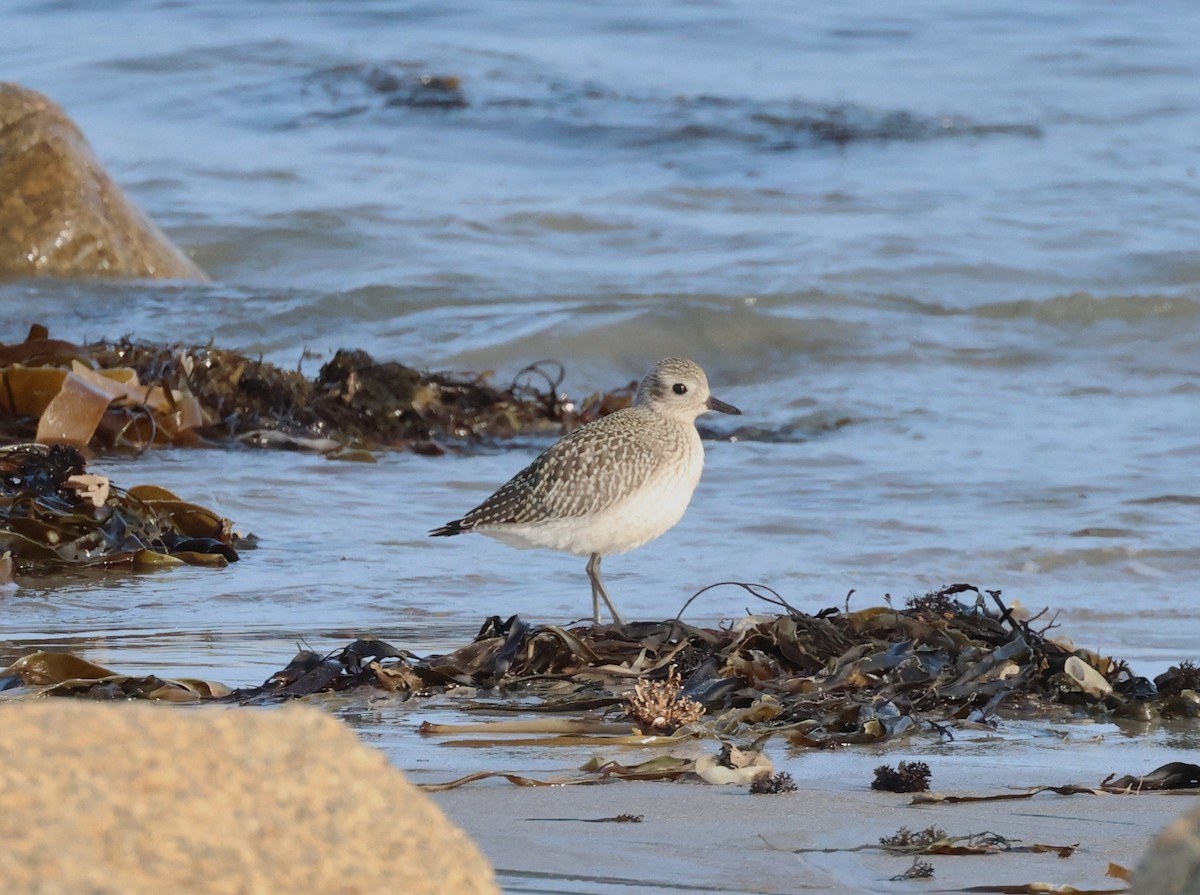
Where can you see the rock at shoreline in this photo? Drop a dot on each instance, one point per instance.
(60, 212)
(1171, 865)
(140, 800)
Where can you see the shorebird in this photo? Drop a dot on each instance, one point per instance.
(609, 486)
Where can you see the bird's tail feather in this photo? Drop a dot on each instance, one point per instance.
(450, 528)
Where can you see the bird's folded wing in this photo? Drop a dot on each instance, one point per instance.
(573, 477)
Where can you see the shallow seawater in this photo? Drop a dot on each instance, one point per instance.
(943, 258)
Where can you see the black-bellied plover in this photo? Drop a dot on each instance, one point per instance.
(609, 486)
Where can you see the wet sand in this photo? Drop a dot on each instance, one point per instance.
(701, 838)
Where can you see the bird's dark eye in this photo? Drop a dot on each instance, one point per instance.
(679, 388)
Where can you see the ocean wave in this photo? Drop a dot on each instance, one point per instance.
(1083, 307)
(535, 106)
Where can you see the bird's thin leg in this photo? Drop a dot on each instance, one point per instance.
(598, 592)
(595, 596)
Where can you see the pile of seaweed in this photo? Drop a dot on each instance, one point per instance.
(55, 516)
(131, 395)
(834, 678)
(829, 679)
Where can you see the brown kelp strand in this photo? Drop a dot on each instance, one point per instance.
(132, 395)
(54, 516)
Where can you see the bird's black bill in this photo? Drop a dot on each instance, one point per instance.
(721, 407)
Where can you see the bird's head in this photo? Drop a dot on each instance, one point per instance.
(678, 388)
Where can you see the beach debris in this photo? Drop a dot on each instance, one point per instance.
(1171, 776)
(1179, 690)
(55, 516)
(1085, 678)
(575, 727)
(64, 674)
(936, 841)
(597, 770)
(934, 798)
(909, 776)
(618, 819)
(774, 784)
(514, 779)
(130, 395)
(734, 765)
(907, 839)
(1179, 678)
(823, 680)
(919, 870)
(545, 732)
(659, 705)
(1041, 889)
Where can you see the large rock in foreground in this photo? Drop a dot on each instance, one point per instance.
(141, 800)
(1171, 865)
(60, 212)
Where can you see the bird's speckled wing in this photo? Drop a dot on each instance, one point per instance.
(590, 469)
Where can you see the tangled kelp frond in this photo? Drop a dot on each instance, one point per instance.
(130, 394)
(53, 516)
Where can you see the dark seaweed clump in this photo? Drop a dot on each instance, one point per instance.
(54, 516)
(919, 870)
(131, 395)
(824, 680)
(910, 776)
(773, 784)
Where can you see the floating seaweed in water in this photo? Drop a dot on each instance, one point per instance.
(54, 516)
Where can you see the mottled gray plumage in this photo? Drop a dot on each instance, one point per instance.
(589, 469)
(609, 486)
